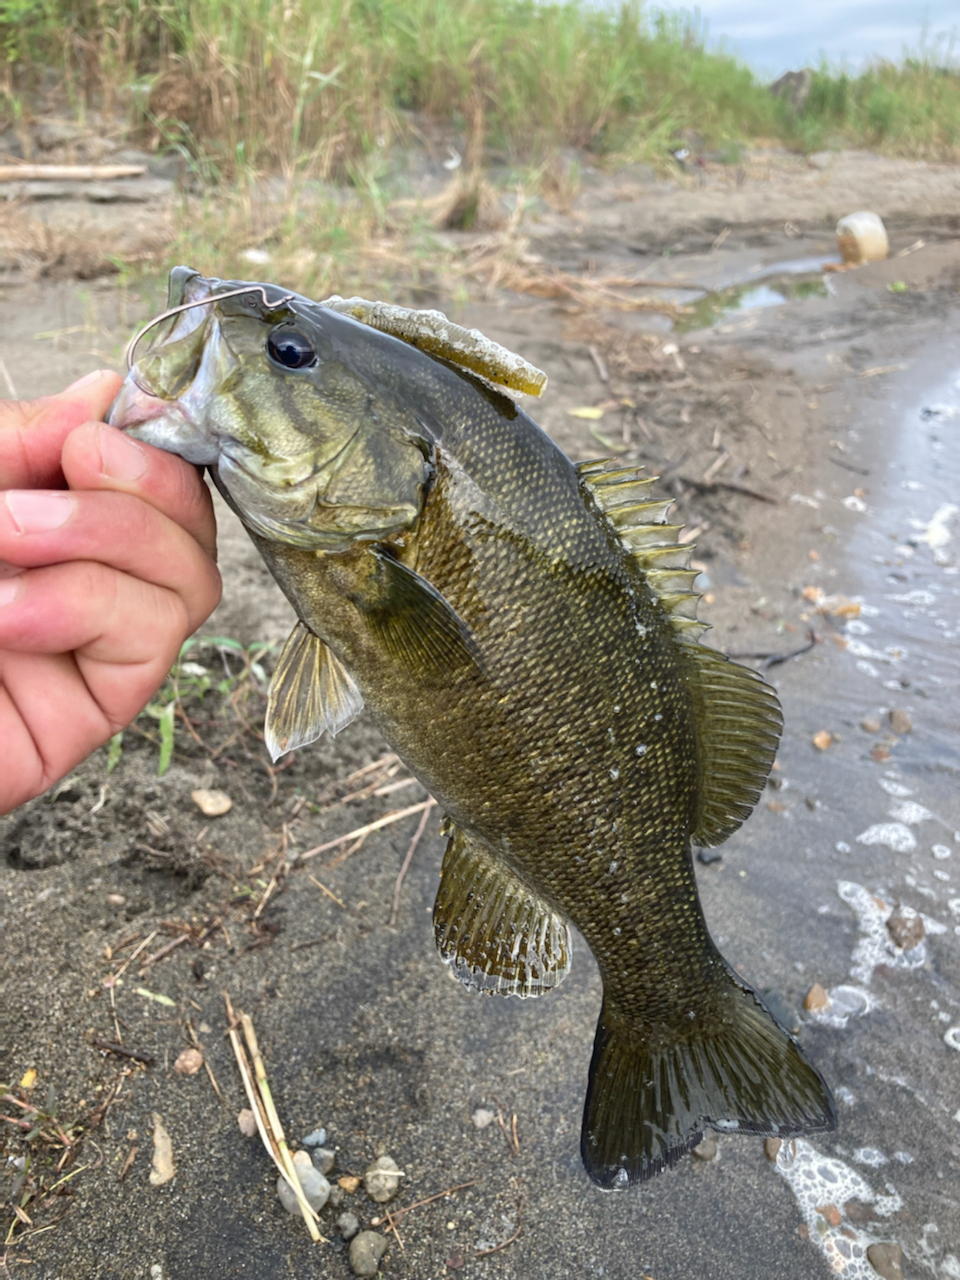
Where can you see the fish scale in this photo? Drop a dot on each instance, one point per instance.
(524, 634)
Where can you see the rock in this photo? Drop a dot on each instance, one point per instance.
(771, 1148)
(857, 1212)
(709, 856)
(879, 754)
(116, 899)
(247, 1122)
(812, 802)
(905, 927)
(793, 87)
(336, 1197)
(348, 1225)
(212, 804)
(830, 1213)
(900, 722)
(886, 1260)
(316, 1188)
(870, 724)
(382, 1179)
(707, 1149)
(348, 1183)
(323, 1159)
(862, 237)
(816, 999)
(822, 740)
(481, 1118)
(315, 1139)
(366, 1250)
(188, 1062)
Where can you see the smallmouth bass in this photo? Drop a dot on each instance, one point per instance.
(523, 631)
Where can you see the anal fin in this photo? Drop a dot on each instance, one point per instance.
(498, 935)
(311, 693)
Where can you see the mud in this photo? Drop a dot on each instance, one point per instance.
(812, 445)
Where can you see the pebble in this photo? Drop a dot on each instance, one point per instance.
(336, 1197)
(348, 1183)
(315, 1139)
(707, 1149)
(870, 724)
(382, 1179)
(816, 999)
(348, 1225)
(857, 1212)
(822, 740)
(316, 1188)
(709, 856)
(212, 804)
(905, 927)
(900, 722)
(830, 1213)
(189, 1062)
(886, 1260)
(771, 1148)
(481, 1118)
(366, 1250)
(247, 1122)
(323, 1159)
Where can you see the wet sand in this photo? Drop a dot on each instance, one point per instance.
(844, 410)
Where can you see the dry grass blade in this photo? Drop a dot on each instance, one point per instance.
(328, 892)
(387, 820)
(421, 827)
(268, 1123)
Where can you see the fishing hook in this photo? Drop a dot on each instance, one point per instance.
(202, 302)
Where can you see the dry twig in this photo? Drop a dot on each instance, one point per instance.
(407, 860)
(387, 820)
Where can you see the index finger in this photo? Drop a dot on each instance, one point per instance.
(32, 432)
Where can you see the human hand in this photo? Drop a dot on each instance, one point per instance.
(107, 553)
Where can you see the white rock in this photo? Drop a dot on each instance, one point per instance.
(315, 1186)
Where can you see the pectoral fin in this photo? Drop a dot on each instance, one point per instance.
(416, 624)
(497, 934)
(311, 692)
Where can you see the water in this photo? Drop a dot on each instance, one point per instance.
(772, 292)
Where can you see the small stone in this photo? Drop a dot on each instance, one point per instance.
(816, 999)
(366, 1250)
(316, 1188)
(116, 899)
(707, 1149)
(886, 1260)
(709, 856)
(162, 1170)
(830, 1213)
(803, 1231)
(870, 724)
(812, 802)
(382, 1179)
(348, 1183)
(879, 754)
(315, 1139)
(900, 722)
(189, 1062)
(247, 1122)
(857, 1212)
(323, 1159)
(771, 1148)
(822, 740)
(482, 1117)
(905, 927)
(336, 1197)
(348, 1224)
(212, 804)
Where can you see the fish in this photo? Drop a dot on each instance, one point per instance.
(523, 631)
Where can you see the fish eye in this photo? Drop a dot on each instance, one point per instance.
(290, 348)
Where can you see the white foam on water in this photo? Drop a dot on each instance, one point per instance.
(870, 1155)
(896, 789)
(952, 1037)
(876, 946)
(894, 835)
(818, 1181)
(846, 1002)
(910, 813)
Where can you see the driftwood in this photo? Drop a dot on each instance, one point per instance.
(69, 172)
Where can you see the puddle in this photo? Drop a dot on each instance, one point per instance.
(772, 291)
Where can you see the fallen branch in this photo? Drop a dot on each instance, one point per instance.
(732, 486)
(69, 172)
(407, 860)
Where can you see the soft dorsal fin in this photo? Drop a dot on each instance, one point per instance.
(623, 497)
(497, 934)
(738, 715)
(311, 692)
(431, 331)
(738, 723)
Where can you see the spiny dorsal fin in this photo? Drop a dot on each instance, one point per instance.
(498, 935)
(431, 331)
(622, 495)
(311, 692)
(738, 723)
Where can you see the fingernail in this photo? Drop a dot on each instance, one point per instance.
(120, 457)
(38, 512)
(9, 589)
(87, 377)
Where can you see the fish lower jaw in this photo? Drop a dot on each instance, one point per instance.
(166, 424)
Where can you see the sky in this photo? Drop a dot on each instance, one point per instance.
(774, 36)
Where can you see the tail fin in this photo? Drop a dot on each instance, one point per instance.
(650, 1099)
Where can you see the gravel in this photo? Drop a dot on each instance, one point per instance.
(366, 1250)
(382, 1179)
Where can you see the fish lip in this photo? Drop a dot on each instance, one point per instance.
(136, 405)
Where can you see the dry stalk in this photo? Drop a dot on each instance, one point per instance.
(387, 820)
